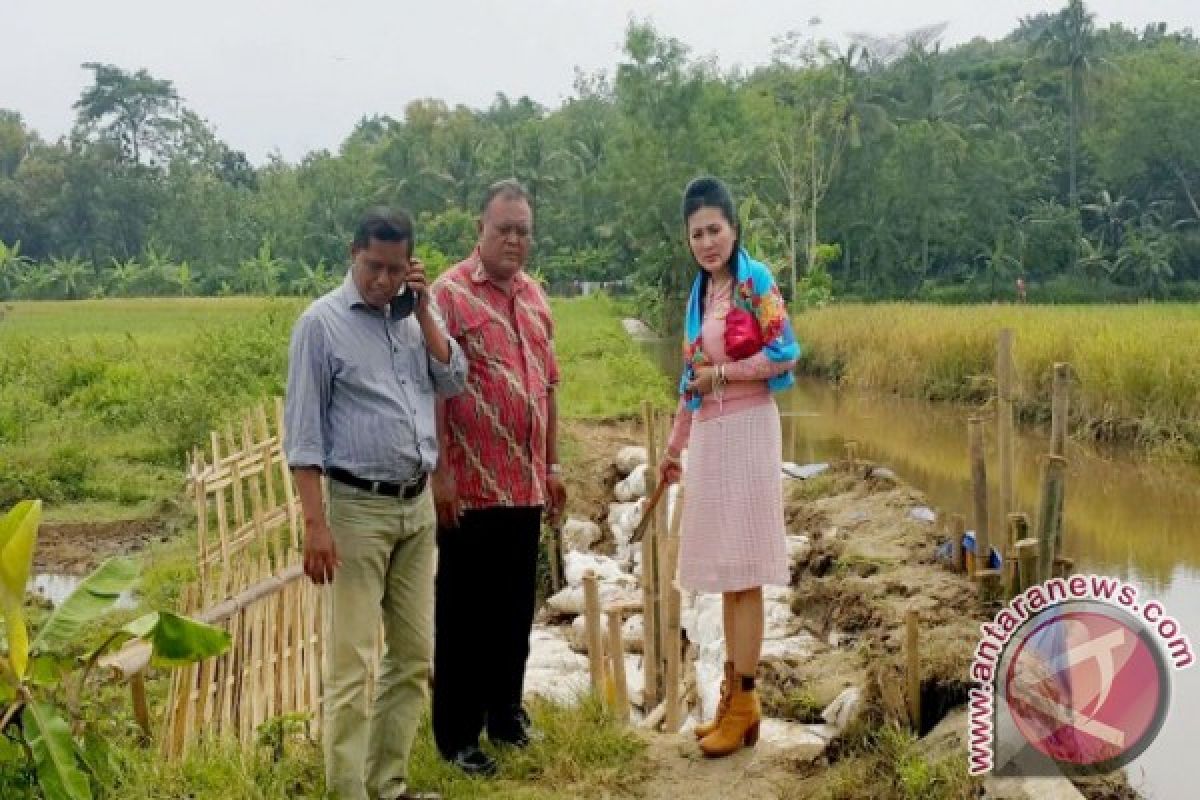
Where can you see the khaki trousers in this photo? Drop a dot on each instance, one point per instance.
(387, 548)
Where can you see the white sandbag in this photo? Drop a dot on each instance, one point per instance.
(780, 621)
(628, 459)
(607, 570)
(633, 486)
(570, 600)
(580, 534)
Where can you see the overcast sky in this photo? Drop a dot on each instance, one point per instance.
(295, 75)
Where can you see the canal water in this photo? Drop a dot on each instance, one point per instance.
(1124, 516)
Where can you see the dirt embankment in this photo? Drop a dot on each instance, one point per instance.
(871, 560)
(76, 548)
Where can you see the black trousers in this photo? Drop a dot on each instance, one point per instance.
(485, 595)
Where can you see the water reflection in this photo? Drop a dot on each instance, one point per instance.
(57, 588)
(1123, 516)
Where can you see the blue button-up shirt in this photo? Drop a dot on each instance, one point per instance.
(361, 389)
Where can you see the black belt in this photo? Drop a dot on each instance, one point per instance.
(406, 491)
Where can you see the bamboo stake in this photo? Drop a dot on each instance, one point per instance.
(204, 689)
(1027, 563)
(1050, 513)
(1060, 419)
(316, 674)
(231, 448)
(595, 639)
(672, 639)
(270, 665)
(1004, 420)
(1018, 529)
(201, 509)
(283, 650)
(913, 668)
(616, 649)
(979, 489)
(239, 499)
(1063, 567)
(650, 583)
(141, 709)
(1059, 408)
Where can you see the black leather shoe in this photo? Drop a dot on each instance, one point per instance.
(518, 733)
(475, 762)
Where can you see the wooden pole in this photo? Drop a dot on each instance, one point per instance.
(1063, 567)
(1059, 408)
(913, 668)
(958, 528)
(672, 640)
(1060, 413)
(595, 639)
(141, 709)
(616, 649)
(1054, 475)
(852, 455)
(979, 487)
(554, 556)
(1027, 563)
(650, 578)
(1018, 529)
(1004, 420)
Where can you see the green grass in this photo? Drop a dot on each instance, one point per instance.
(1135, 374)
(605, 374)
(584, 753)
(889, 763)
(100, 400)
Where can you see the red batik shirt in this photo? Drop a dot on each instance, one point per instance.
(496, 430)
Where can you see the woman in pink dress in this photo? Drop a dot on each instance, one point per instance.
(733, 539)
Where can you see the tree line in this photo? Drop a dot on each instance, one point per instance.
(888, 168)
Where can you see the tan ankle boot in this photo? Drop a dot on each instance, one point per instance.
(738, 727)
(705, 728)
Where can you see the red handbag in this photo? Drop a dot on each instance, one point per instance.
(743, 337)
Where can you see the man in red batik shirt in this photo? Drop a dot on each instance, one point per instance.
(498, 472)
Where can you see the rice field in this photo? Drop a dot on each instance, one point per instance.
(1136, 369)
(101, 399)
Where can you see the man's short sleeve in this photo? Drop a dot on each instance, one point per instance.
(443, 298)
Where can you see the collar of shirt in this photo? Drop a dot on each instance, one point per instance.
(399, 306)
(479, 275)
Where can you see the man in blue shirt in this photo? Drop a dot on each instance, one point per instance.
(366, 362)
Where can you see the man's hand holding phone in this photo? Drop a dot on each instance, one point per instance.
(417, 282)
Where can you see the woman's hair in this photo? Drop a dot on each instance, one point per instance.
(710, 192)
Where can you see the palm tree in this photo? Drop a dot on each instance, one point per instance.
(261, 273)
(1069, 42)
(123, 276)
(314, 281)
(1146, 256)
(69, 274)
(183, 278)
(1114, 215)
(1094, 260)
(931, 110)
(12, 267)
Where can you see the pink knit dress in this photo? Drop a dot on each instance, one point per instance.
(732, 532)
